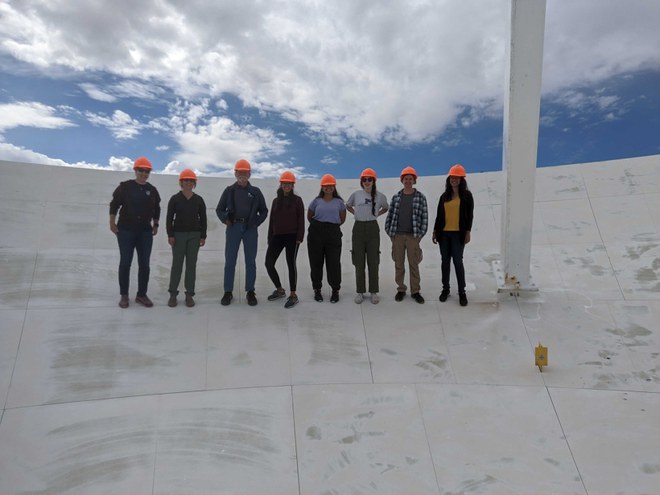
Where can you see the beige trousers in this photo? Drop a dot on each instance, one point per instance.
(403, 244)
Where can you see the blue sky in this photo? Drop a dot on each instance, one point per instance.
(317, 87)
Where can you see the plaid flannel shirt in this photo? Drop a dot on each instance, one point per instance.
(420, 214)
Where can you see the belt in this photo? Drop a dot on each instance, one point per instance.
(240, 220)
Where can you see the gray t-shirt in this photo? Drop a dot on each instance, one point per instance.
(361, 201)
(404, 225)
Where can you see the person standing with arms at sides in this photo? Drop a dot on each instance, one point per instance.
(186, 233)
(452, 227)
(406, 224)
(138, 205)
(326, 213)
(286, 230)
(242, 208)
(367, 205)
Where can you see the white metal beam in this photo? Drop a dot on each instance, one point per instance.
(522, 103)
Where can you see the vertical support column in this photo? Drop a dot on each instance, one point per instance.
(522, 103)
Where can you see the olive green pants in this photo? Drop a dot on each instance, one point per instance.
(366, 250)
(186, 247)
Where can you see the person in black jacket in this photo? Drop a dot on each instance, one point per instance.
(242, 208)
(452, 228)
(186, 233)
(138, 205)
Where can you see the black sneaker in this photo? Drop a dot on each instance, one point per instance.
(251, 298)
(277, 295)
(172, 302)
(399, 296)
(444, 295)
(291, 302)
(335, 296)
(417, 297)
(462, 299)
(318, 297)
(226, 299)
(190, 302)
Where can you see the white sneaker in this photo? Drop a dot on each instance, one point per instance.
(374, 298)
(359, 298)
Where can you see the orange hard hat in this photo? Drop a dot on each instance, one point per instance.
(457, 171)
(288, 177)
(142, 162)
(408, 171)
(369, 172)
(328, 180)
(187, 174)
(242, 166)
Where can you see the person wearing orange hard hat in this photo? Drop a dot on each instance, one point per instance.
(286, 230)
(406, 224)
(366, 205)
(242, 208)
(186, 226)
(138, 204)
(326, 213)
(453, 223)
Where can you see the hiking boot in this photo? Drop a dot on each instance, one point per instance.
(277, 294)
(226, 299)
(417, 297)
(190, 302)
(124, 302)
(172, 302)
(144, 300)
(462, 299)
(251, 298)
(359, 298)
(444, 295)
(374, 298)
(399, 296)
(318, 297)
(334, 297)
(291, 302)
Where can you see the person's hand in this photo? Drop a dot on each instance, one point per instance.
(467, 237)
(434, 239)
(171, 241)
(154, 229)
(202, 242)
(114, 228)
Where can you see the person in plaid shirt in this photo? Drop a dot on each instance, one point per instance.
(406, 224)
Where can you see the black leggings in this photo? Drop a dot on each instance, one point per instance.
(275, 246)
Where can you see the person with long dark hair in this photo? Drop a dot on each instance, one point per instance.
(326, 214)
(286, 231)
(452, 227)
(366, 205)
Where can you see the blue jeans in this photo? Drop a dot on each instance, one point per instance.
(234, 234)
(141, 242)
(451, 249)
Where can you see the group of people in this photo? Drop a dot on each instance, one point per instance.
(242, 209)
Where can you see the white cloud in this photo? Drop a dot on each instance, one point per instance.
(212, 143)
(120, 124)
(12, 153)
(351, 71)
(31, 114)
(96, 93)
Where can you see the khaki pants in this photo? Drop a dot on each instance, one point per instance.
(403, 244)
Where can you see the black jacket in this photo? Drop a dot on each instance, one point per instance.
(465, 214)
